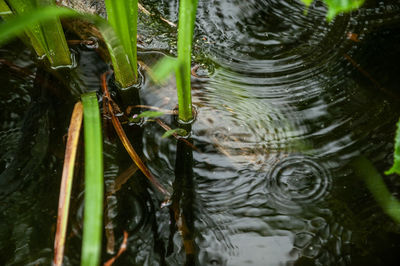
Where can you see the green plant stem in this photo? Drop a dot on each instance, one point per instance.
(365, 170)
(57, 49)
(33, 30)
(93, 213)
(187, 16)
(122, 15)
(122, 69)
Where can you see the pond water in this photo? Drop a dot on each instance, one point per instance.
(285, 102)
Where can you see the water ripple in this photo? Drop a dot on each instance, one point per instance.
(296, 181)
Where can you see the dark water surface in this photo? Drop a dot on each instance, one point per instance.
(285, 101)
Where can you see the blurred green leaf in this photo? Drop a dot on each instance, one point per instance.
(164, 68)
(93, 212)
(179, 131)
(150, 114)
(366, 171)
(396, 164)
(338, 6)
(16, 25)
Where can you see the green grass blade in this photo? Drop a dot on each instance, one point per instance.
(33, 30)
(122, 16)
(93, 212)
(16, 25)
(163, 69)
(57, 48)
(5, 10)
(396, 164)
(364, 169)
(122, 68)
(187, 16)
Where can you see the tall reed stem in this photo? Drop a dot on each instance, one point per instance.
(187, 17)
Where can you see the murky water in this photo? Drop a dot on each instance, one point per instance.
(285, 100)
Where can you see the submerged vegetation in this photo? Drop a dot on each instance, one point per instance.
(37, 24)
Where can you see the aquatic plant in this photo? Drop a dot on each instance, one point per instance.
(46, 38)
(16, 25)
(182, 65)
(122, 16)
(93, 213)
(366, 171)
(338, 6)
(187, 17)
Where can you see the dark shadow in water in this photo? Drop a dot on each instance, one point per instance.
(183, 199)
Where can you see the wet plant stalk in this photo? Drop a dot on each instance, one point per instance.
(122, 15)
(187, 16)
(66, 182)
(46, 38)
(93, 213)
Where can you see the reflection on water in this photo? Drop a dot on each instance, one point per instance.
(279, 118)
(281, 111)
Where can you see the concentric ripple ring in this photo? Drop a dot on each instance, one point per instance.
(297, 180)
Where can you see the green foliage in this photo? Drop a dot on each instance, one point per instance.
(164, 68)
(338, 6)
(364, 169)
(396, 165)
(16, 25)
(187, 17)
(46, 38)
(179, 131)
(93, 213)
(148, 114)
(5, 11)
(122, 16)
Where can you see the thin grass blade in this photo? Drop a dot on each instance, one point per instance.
(162, 70)
(93, 212)
(122, 15)
(66, 182)
(33, 30)
(16, 25)
(5, 10)
(57, 48)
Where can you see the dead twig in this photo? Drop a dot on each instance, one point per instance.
(369, 77)
(145, 11)
(66, 182)
(110, 105)
(121, 250)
